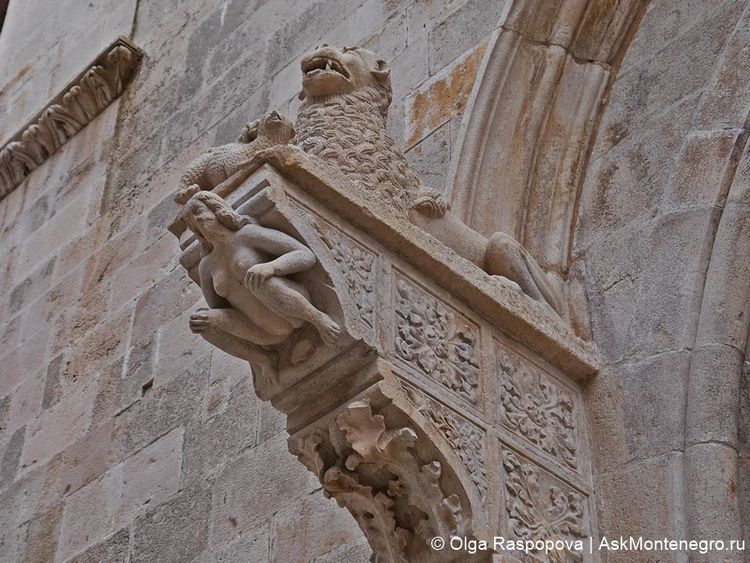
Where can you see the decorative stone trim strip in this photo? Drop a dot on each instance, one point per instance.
(67, 113)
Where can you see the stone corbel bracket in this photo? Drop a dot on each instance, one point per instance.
(67, 113)
(451, 403)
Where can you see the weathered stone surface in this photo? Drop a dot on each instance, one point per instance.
(247, 547)
(245, 494)
(175, 531)
(114, 549)
(613, 146)
(57, 427)
(42, 536)
(296, 536)
(145, 480)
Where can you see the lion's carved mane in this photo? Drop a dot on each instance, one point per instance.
(348, 131)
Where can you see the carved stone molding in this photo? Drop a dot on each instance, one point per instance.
(463, 436)
(399, 497)
(531, 118)
(69, 112)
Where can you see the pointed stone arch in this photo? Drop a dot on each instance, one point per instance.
(532, 116)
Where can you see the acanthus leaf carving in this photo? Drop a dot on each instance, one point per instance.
(71, 110)
(435, 339)
(537, 410)
(542, 510)
(375, 472)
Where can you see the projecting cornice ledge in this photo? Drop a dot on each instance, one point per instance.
(97, 86)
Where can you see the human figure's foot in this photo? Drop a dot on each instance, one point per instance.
(328, 329)
(201, 320)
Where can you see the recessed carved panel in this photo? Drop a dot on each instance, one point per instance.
(436, 340)
(541, 507)
(358, 266)
(537, 409)
(465, 438)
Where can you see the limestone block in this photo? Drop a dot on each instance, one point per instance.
(431, 157)
(178, 354)
(298, 536)
(88, 515)
(247, 547)
(658, 284)
(706, 162)
(26, 401)
(42, 535)
(11, 455)
(246, 493)
(461, 30)
(151, 475)
(114, 549)
(145, 480)
(716, 421)
(57, 427)
(443, 96)
(652, 391)
(357, 551)
(159, 411)
(33, 286)
(216, 438)
(646, 490)
(716, 487)
(87, 458)
(161, 303)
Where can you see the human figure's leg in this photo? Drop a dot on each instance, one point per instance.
(286, 301)
(235, 323)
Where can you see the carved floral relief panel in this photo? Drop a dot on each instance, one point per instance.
(435, 339)
(539, 506)
(535, 407)
(463, 436)
(358, 265)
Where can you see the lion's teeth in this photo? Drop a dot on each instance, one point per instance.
(328, 65)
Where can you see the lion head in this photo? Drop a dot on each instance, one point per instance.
(333, 71)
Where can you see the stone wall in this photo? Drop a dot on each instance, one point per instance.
(668, 168)
(123, 437)
(122, 434)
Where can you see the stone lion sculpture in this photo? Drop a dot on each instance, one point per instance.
(244, 276)
(345, 96)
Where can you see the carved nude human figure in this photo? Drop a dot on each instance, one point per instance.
(243, 274)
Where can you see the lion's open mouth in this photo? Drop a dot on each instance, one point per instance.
(320, 64)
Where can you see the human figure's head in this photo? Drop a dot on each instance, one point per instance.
(209, 217)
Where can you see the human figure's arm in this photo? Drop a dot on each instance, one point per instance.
(292, 256)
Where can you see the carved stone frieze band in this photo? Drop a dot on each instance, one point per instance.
(463, 436)
(69, 112)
